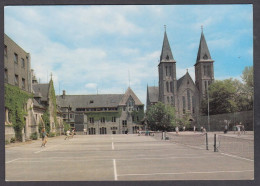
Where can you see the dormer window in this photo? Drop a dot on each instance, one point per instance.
(205, 56)
(91, 101)
(167, 57)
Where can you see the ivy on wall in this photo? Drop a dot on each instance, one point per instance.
(139, 114)
(108, 115)
(15, 102)
(53, 102)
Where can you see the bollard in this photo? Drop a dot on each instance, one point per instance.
(215, 143)
(207, 145)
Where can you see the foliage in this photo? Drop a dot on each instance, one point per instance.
(15, 102)
(184, 121)
(107, 114)
(7, 142)
(66, 126)
(161, 117)
(248, 77)
(12, 140)
(52, 134)
(139, 114)
(34, 136)
(46, 120)
(54, 104)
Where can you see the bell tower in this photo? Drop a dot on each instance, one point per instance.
(204, 71)
(167, 74)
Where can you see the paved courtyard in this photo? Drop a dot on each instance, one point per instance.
(120, 157)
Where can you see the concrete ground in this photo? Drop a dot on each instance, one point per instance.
(120, 157)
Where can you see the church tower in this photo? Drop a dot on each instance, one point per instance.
(204, 71)
(167, 74)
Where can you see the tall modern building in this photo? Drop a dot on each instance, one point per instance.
(183, 93)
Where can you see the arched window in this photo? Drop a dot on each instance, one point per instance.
(166, 71)
(171, 86)
(167, 86)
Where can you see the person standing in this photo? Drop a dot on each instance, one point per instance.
(44, 137)
(225, 130)
(67, 134)
(177, 130)
(184, 128)
(194, 129)
(85, 131)
(238, 130)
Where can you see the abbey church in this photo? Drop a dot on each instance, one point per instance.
(183, 93)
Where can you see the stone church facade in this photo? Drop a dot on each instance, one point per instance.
(182, 93)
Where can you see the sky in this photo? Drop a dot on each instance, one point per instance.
(104, 49)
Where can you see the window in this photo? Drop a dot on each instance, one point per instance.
(15, 58)
(193, 104)
(103, 130)
(133, 118)
(113, 119)
(91, 120)
(16, 79)
(23, 63)
(6, 75)
(5, 50)
(166, 71)
(205, 57)
(188, 97)
(171, 86)
(124, 123)
(92, 130)
(102, 119)
(168, 99)
(167, 86)
(91, 101)
(170, 70)
(137, 118)
(23, 83)
(172, 100)
(206, 87)
(64, 115)
(71, 116)
(167, 57)
(183, 104)
(123, 108)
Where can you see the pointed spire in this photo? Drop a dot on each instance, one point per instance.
(203, 52)
(166, 54)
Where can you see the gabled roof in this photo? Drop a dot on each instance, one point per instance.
(203, 52)
(129, 92)
(41, 89)
(89, 101)
(186, 76)
(153, 94)
(166, 54)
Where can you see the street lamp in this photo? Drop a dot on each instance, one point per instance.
(208, 104)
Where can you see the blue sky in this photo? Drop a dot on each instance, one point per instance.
(90, 48)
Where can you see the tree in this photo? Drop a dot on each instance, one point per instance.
(221, 98)
(185, 120)
(248, 79)
(161, 117)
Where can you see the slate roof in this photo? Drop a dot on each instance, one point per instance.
(180, 81)
(166, 54)
(153, 93)
(84, 101)
(129, 92)
(41, 89)
(203, 52)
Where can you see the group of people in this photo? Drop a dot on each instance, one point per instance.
(237, 127)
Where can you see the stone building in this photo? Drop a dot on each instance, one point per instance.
(103, 113)
(183, 93)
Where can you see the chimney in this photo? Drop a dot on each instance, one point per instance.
(63, 94)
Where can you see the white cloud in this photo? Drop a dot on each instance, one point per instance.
(91, 85)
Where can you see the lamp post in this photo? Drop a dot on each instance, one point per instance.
(208, 104)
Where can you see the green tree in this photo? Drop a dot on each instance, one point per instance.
(185, 120)
(222, 95)
(161, 117)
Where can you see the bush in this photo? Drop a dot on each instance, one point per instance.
(12, 140)
(52, 134)
(7, 142)
(34, 136)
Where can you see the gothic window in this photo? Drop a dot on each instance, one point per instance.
(167, 86)
(206, 87)
(171, 86)
(167, 57)
(15, 58)
(133, 118)
(183, 104)
(168, 99)
(102, 119)
(170, 70)
(124, 123)
(16, 79)
(208, 70)
(113, 119)
(6, 75)
(91, 120)
(172, 100)
(205, 57)
(188, 97)
(23, 63)
(5, 50)
(193, 104)
(23, 83)
(166, 68)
